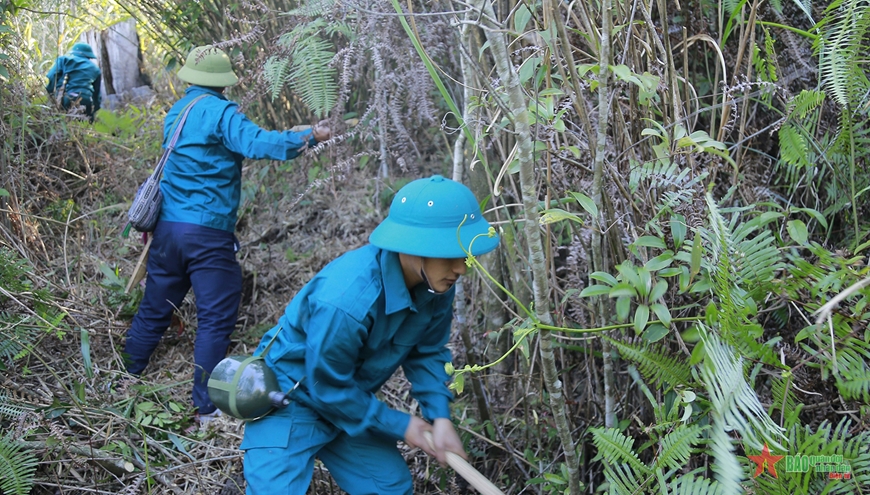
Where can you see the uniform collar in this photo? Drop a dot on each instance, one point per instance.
(202, 90)
(396, 294)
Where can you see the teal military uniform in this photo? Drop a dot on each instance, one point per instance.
(347, 332)
(78, 77)
(194, 245)
(202, 180)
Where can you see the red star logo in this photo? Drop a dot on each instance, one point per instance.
(765, 458)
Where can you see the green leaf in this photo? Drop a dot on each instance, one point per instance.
(86, 352)
(586, 203)
(655, 333)
(815, 214)
(644, 285)
(603, 277)
(698, 353)
(595, 290)
(459, 383)
(628, 272)
(658, 290)
(650, 241)
(3, 192)
(663, 313)
(661, 261)
(641, 317)
(623, 306)
(623, 289)
(672, 272)
(695, 266)
(678, 230)
(798, 231)
(554, 215)
(521, 19)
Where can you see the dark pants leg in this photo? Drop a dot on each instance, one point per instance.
(68, 103)
(217, 284)
(184, 255)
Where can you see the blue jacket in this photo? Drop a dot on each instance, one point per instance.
(202, 180)
(77, 76)
(349, 329)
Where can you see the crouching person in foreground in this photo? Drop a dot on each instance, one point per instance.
(371, 310)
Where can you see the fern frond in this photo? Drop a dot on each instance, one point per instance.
(308, 73)
(9, 408)
(842, 47)
(312, 8)
(312, 78)
(733, 399)
(793, 148)
(17, 468)
(16, 335)
(783, 395)
(728, 471)
(690, 485)
(655, 364)
(676, 446)
(853, 379)
(623, 479)
(805, 102)
(615, 448)
(276, 71)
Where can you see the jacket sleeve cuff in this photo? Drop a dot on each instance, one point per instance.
(311, 141)
(392, 423)
(434, 407)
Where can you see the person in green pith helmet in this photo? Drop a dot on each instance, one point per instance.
(76, 79)
(194, 244)
(371, 310)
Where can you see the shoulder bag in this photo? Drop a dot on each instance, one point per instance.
(145, 209)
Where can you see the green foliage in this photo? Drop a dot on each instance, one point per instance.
(841, 47)
(732, 399)
(739, 260)
(307, 67)
(655, 364)
(17, 467)
(127, 304)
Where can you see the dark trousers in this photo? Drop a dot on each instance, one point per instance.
(73, 101)
(182, 256)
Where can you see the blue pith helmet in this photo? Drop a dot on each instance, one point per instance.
(424, 217)
(83, 50)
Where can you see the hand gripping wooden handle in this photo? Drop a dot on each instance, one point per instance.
(467, 471)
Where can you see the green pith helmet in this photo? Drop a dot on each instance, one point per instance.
(82, 50)
(424, 218)
(245, 388)
(208, 66)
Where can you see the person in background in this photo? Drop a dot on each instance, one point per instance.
(194, 244)
(76, 79)
(369, 311)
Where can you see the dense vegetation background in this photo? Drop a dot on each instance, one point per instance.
(679, 186)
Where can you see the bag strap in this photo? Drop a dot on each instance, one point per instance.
(179, 123)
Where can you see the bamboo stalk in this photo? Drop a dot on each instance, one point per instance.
(467, 471)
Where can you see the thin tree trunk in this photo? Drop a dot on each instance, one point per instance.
(525, 154)
(598, 198)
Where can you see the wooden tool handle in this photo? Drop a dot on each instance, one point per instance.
(467, 471)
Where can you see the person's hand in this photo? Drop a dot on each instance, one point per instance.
(414, 435)
(446, 439)
(321, 131)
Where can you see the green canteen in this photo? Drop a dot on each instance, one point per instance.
(245, 388)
